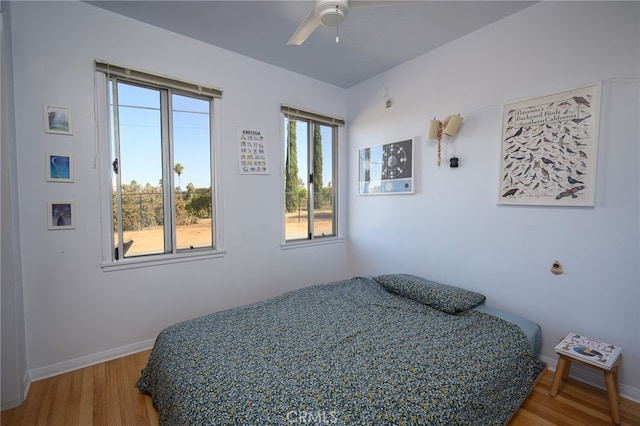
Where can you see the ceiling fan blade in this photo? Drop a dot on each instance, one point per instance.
(308, 26)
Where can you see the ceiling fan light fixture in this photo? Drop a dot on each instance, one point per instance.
(331, 14)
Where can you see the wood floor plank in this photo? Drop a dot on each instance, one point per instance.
(112, 401)
(105, 394)
(85, 411)
(39, 412)
(525, 417)
(100, 396)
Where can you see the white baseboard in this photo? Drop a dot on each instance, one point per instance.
(16, 402)
(86, 361)
(10, 404)
(594, 378)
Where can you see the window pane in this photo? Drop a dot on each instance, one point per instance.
(114, 183)
(192, 168)
(296, 180)
(323, 222)
(140, 168)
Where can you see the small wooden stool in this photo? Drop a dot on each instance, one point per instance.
(610, 378)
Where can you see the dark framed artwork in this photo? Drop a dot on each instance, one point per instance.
(61, 215)
(386, 168)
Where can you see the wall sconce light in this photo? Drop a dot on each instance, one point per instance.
(449, 127)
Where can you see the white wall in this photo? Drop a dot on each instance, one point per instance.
(452, 229)
(14, 369)
(77, 314)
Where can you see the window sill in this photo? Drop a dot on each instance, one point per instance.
(309, 243)
(161, 259)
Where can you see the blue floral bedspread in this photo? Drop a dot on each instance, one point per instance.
(348, 352)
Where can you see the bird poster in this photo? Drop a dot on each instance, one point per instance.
(549, 149)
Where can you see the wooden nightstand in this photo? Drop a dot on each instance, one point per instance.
(573, 349)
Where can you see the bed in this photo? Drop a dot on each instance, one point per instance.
(389, 349)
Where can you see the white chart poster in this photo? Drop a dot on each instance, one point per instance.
(252, 152)
(549, 149)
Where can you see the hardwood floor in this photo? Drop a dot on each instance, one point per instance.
(577, 404)
(104, 394)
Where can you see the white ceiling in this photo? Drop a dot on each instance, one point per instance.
(373, 39)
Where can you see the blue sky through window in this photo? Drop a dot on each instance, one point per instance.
(140, 137)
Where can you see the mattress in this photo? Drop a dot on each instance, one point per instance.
(530, 328)
(357, 351)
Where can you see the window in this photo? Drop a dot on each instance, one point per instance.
(310, 175)
(162, 180)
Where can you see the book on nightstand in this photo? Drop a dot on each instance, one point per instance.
(589, 350)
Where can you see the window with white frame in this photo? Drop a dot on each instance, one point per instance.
(162, 164)
(310, 175)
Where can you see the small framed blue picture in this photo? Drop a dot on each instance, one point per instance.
(59, 167)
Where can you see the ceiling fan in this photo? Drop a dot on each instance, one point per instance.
(329, 13)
